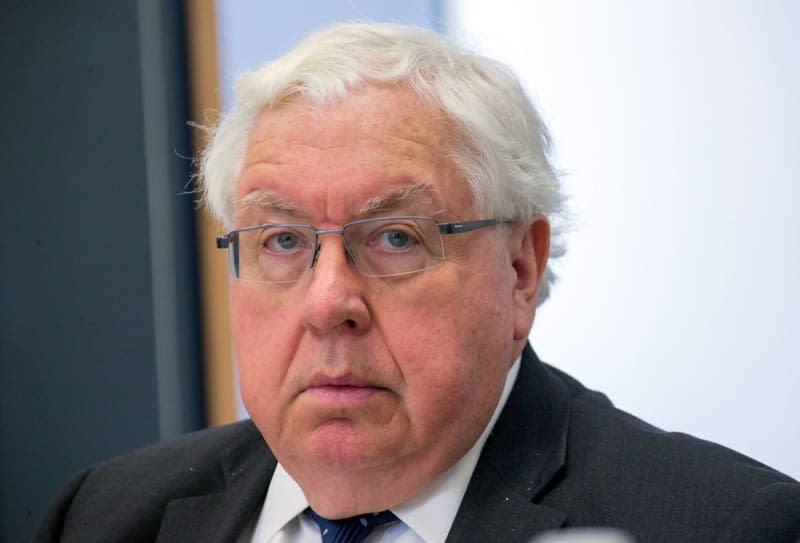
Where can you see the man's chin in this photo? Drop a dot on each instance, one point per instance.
(347, 445)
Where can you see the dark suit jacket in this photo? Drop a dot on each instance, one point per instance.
(560, 455)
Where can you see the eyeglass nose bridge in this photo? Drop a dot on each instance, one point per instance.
(317, 244)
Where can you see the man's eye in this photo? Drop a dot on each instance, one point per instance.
(396, 239)
(283, 241)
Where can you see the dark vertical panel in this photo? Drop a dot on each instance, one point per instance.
(83, 373)
(170, 212)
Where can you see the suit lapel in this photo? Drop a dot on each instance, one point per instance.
(523, 454)
(492, 513)
(223, 514)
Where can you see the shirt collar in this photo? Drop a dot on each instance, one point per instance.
(430, 513)
(284, 502)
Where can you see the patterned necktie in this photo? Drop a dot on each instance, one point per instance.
(349, 530)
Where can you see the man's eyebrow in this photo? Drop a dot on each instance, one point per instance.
(416, 191)
(266, 200)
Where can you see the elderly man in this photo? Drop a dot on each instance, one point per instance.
(390, 204)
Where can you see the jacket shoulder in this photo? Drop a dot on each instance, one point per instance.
(621, 471)
(131, 492)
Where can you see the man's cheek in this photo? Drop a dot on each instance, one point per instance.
(258, 329)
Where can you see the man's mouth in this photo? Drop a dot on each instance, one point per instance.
(341, 388)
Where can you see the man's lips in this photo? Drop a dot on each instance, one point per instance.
(347, 380)
(341, 388)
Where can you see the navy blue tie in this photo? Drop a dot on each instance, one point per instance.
(349, 530)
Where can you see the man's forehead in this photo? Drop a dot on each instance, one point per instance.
(375, 151)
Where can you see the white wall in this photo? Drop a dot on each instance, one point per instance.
(676, 123)
(251, 32)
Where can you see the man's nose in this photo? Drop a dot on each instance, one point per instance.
(335, 298)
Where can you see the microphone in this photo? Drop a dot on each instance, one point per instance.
(584, 535)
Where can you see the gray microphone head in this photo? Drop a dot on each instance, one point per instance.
(584, 535)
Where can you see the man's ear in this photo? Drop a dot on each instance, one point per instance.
(529, 251)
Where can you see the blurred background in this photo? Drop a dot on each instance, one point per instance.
(675, 125)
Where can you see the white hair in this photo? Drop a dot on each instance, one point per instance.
(504, 147)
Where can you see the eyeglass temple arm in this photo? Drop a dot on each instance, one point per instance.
(465, 226)
(223, 242)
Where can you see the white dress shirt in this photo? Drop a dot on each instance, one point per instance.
(425, 518)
